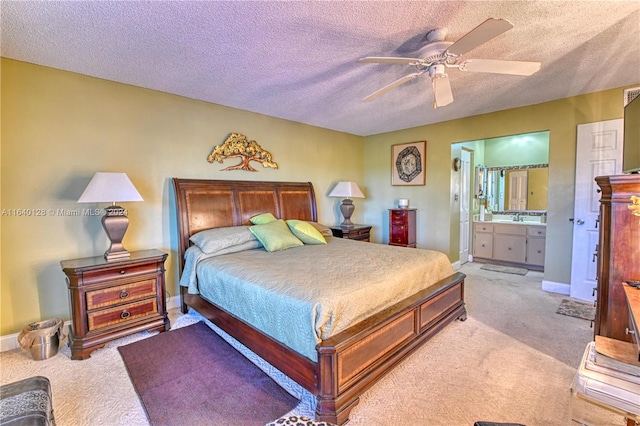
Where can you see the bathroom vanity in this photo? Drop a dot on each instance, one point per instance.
(510, 242)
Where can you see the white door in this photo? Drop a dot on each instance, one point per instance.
(598, 153)
(518, 190)
(465, 195)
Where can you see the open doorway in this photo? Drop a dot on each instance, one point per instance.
(521, 155)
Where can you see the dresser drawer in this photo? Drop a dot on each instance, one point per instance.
(399, 216)
(121, 294)
(123, 271)
(121, 314)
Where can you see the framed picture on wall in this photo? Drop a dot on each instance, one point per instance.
(408, 162)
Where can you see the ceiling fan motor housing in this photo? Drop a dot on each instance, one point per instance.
(434, 53)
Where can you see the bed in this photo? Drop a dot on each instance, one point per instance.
(354, 355)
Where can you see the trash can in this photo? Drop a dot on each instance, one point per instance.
(42, 338)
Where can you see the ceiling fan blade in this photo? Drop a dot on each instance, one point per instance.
(387, 60)
(499, 66)
(481, 34)
(393, 85)
(441, 91)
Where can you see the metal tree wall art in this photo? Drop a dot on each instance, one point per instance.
(238, 145)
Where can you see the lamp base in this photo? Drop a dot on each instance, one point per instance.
(115, 223)
(347, 209)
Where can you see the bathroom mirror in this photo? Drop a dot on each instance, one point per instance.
(515, 188)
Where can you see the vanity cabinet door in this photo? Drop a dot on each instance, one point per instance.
(511, 248)
(483, 244)
(536, 236)
(535, 251)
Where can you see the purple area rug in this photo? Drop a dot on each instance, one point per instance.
(191, 376)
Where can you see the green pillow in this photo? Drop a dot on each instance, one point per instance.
(275, 236)
(262, 218)
(306, 232)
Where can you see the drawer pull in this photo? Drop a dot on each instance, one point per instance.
(124, 294)
(125, 314)
(627, 331)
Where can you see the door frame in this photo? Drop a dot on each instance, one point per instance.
(465, 188)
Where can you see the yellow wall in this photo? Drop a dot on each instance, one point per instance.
(59, 128)
(438, 213)
(538, 186)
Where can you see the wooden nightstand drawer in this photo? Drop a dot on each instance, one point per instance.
(117, 315)
(357, 232)
(360, 232)
(121, 294)
(110, 274)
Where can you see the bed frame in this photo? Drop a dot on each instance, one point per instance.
(348, 363)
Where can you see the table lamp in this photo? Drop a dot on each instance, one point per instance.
(111, 188)
(347, 190)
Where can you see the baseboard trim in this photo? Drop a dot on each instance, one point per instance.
(10, 342)
(554, 287)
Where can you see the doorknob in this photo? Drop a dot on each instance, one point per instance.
(580, 222)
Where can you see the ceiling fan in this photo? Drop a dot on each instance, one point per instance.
(438, 54)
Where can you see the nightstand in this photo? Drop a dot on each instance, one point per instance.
(356, 232)
(113, 299)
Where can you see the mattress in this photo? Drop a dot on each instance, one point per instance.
(306, 294)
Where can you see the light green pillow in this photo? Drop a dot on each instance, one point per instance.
(306, 232)
(262, 218)
(275, 236)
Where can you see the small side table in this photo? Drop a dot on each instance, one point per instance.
(110, 300)
(402, 227)
(356, 232)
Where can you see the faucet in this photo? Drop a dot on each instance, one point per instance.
(517, 218)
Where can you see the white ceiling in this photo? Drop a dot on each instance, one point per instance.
(297, 59)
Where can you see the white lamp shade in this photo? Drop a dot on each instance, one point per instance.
(108, 187)
(346, 190)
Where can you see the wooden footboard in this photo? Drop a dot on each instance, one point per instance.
(350, 362)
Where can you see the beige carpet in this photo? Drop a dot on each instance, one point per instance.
(513, 360)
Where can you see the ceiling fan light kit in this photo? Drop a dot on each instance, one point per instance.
(439, 54)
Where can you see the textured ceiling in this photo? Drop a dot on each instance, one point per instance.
(297, 60)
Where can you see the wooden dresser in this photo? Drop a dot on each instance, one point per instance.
(402, 227)
(618, 254)
(113, 299)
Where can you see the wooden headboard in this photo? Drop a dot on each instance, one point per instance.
(204, 204)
